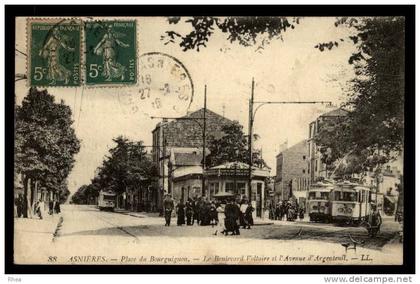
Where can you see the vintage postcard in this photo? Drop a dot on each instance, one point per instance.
(206, 140)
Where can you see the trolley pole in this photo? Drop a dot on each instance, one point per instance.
(203, 190)
(250, 123)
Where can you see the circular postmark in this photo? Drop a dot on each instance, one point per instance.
(165, 87)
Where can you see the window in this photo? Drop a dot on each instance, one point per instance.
(230, 187)
(214, 188)
(345, 196)
(303, 171)
(304, 157)
(241, 188)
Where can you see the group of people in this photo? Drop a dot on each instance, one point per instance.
(203, 212)
(38, 208)
(286, 210)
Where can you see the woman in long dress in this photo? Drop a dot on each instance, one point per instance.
(107, 48)
(51, 52)
(180, 211)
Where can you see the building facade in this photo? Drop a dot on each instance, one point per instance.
(231, 180)
(184, 135)
(292, 173)
(317, 168)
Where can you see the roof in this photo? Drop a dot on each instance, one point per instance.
(335, 112)
(195, 114)
(188, 159)
(232, 165)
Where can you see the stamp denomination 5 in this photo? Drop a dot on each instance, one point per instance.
(54, 52)
(110, 52)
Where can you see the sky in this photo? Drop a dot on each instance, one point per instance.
(285, 70)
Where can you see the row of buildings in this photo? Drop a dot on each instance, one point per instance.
(298, 166)
(177, 153)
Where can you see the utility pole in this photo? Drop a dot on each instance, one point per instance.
(252, 114)
(250, 125)
(203, 191)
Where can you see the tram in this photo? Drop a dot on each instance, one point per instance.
(319, 207)
(349, 203)
(107, 200)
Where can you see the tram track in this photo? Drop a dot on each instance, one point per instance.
(103, 219)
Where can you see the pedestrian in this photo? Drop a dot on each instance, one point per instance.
(283, 210)
(278, 212)
(189, 212)
(301, 213)
(195, 210)
(19, 205)
(213, 214)
(242, 209)
(180, 211)
(249, 220)
(374, 221)
(220, 218)
(57, 208)
(231, 218)
(51, 207)
(37, 209)
(168, 206)
(237, 214)
(205, 213)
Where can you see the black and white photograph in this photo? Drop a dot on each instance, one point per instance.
(196, 139)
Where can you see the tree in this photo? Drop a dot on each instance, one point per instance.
(247, 31)
(127, 167)
(231, 147)
(374, 127)
(45, 144)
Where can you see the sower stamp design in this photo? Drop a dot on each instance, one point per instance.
(110, 52)
(54, 52)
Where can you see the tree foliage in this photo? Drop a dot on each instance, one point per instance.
(243, 30)
(231, 147)
(85, 194)
(127, 166)
(45, 142)
(373, 131)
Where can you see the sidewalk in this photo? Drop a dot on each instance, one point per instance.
(34, 237)
(34, 227)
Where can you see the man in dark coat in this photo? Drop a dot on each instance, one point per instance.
(168, 206)
(249, 220)
(205, 213)
(195, 210)
(189, 210)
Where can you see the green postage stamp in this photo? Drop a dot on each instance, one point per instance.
(111, 52)
(54, 52)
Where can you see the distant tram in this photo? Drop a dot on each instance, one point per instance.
(350, 203)
(319, 207)
(107, 200)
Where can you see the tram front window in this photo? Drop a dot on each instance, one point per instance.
(345, 196)
(318, 195)
(109, 197)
